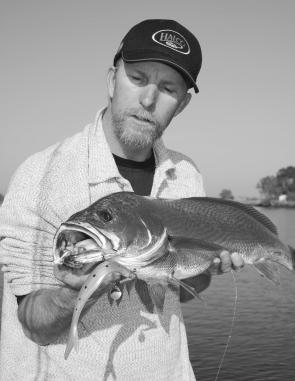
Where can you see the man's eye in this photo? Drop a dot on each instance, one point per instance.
(168, 89)
(136, 78)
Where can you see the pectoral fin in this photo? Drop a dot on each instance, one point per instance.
(199, 283)
(269, 270)
(143, 291)
(188, 288)
(157, 293)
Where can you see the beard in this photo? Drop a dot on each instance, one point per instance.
(129, 130)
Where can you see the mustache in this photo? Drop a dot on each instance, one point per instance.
(142, 114)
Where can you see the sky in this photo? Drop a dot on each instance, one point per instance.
(238, 129)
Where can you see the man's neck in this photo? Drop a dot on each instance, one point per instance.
(116, 146)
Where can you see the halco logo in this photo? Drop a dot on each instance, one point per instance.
(172, 40)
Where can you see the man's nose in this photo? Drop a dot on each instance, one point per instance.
(149, 96)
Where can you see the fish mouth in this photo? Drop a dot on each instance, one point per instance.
(105, 245)
(68, 251)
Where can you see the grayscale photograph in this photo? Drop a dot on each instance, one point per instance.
(147, 190)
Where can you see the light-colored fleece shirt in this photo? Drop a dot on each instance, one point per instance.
(121, 342)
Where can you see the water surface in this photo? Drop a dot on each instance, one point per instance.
(262, 346)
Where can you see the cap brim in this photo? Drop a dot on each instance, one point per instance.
(148, 55)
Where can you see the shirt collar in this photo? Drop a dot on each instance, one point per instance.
(162, 156)
(101, 164)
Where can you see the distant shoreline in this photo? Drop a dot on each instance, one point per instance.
(273, 204)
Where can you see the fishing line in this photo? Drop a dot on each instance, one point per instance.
(232, 326)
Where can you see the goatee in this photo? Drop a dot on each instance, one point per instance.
(133, 134)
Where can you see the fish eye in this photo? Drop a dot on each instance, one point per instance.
(105, 215)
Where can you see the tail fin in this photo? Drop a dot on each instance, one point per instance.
(73, 341)
(292, 251)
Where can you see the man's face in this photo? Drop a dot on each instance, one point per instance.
(145, 96)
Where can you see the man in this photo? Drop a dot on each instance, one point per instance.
(157, 63)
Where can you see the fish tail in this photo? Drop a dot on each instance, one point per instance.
(73, 342)
(292, 251)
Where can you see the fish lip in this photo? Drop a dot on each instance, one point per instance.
(82, 227)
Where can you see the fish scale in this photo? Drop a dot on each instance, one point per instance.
(216, 221)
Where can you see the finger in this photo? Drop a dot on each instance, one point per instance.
(216, 261)
(225, 261)
(215, 266)
(237, 261)
(69, 276)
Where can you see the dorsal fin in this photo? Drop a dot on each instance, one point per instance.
(184, 204)
(245, 208)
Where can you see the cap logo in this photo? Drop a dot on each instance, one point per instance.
(172, 40)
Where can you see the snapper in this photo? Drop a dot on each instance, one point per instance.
(162, 242)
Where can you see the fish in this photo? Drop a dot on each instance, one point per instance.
(137, 229)
(165, 241)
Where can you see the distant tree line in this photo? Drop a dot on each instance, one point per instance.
(226, 194)
(270, 187)
(1, 198)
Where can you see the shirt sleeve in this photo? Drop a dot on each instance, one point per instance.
(27, 229)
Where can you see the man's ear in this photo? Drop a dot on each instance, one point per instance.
(183, 103)
(111, 80)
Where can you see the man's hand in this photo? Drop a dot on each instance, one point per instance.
(221, 265)
(226, 262)
(74, 278)
(45, 314)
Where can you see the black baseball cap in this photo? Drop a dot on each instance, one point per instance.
(166, 41)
